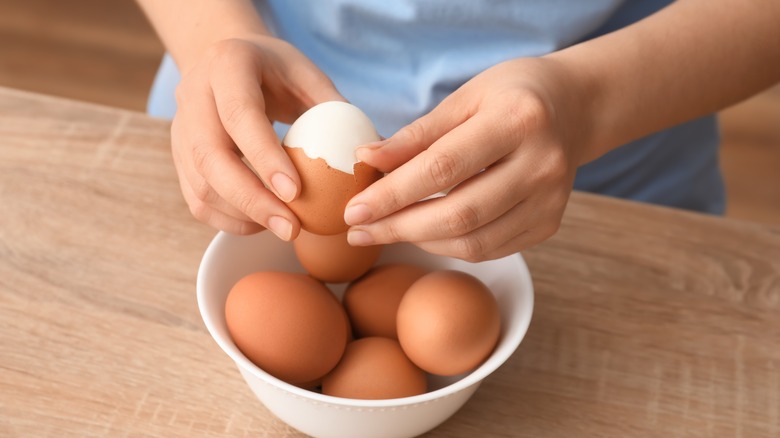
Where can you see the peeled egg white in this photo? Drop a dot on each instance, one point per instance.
(321, 144)
(332, 131)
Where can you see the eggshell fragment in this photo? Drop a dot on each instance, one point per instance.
(372, 301)
(374, 368)
(448, 322)
(289, 325)
(332, 259)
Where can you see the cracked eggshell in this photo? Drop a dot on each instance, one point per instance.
(321, 144)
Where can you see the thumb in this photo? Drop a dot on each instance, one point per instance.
(389, 154)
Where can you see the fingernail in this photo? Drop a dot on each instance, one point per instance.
(375, 144)
(357, 214)
(281, 227)
(283, 186)
(359, 238)
(360, 152)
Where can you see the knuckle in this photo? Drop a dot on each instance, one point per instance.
(202, 157)
(261, 160)
(460, 219)
(413, 133)
(390, 195)
(551, 229)
(556, 165)
(441, 169)
(560, 198)
(245, 228)
(526, 111)
(469, 248)
(533, 106)
(232, 111)
(247, 204)
(546, 230)
(201, 190)
(392, 199)
(200, 210)
(393, 234)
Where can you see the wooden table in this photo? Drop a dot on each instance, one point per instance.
(648, 321)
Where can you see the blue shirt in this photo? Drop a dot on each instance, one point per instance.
(396, 60)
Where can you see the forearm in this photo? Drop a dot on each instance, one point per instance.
(690, 59)
(188, 27)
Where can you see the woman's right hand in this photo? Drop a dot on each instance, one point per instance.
(227, 103)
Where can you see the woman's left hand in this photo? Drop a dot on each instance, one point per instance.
(508, 144)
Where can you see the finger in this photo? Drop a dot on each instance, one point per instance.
(477, 201)
(313, 85)
(389, 154)
(459, 154)
(218, 164)
(523, 241)
(532, 221)
(525, 225)
(203, 192)
(213, 217)
(471, 246)
(239, 100)
(307, 84)
(200, 190)
(234, 182)
(526, 240)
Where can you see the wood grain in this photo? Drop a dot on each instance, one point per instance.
(648, 321)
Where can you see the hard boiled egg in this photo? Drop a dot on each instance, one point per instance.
(448, 322)
(321, 144)
(332, 259)
(374, 368)
(290, 325)
(372, 301)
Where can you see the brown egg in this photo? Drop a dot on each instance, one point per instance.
(289, 325)
(333, 260)
(372, 369)
(311, 386)
(325, 192)
(372, 301)
(448, 322)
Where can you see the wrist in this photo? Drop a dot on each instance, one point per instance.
(578, 104)
(189, 56)
(188, 28)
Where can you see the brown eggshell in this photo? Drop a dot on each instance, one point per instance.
(289, 325)
(311, 386)
(333, 260)
(372, 301)
(448, 322)
(372, 369)
(325, 192)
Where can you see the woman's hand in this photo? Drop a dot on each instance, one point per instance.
(227, 103)
(516, 122)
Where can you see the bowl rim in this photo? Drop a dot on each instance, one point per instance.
(474, 377)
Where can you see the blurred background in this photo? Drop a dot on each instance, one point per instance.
(105, 52)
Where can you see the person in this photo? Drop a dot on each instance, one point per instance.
(511, 104)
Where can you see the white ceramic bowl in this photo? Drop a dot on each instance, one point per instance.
(228, 258)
